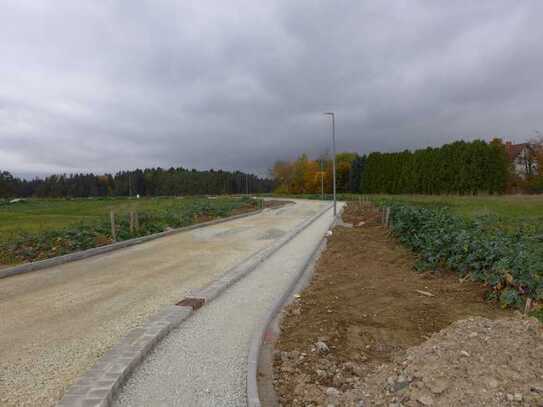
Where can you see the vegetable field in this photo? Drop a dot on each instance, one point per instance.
(508, 258)
(37, 229)
(497, 240)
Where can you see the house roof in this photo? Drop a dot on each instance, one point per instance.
(514, 150)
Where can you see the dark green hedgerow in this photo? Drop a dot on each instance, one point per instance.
(511, 264)
(43, 245)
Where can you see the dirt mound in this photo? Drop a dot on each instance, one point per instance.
(474, 362)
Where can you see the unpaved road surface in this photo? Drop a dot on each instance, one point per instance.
(56, 323)
(204, 362)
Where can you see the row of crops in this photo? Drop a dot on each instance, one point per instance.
(509, 262)
(27, 247)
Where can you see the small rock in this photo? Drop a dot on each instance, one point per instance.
(517, 397)
(438, 386)
(277, 355)
(402, 379)
(509, 397)
(425, 400)
(338, 380)
(464, 353)
(492, 383)
(284, 356)
(322, 347)
(321, 374)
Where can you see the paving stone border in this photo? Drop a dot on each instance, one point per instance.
(67, 258)
(257, 342)
(100, 385)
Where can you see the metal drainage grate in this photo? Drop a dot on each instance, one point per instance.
(194, 303)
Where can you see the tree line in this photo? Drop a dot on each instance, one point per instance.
(457, 168)
(146, 182)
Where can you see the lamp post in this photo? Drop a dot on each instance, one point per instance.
(322, 179)
(333, 116)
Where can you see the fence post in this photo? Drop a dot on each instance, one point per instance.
(137, 221)
(389, 218)
(386, 216)
(131, 222)
(113, 228)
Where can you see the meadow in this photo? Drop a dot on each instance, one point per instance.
(509, 208)
(40, 215)
(35, 229)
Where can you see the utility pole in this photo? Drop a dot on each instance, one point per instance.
(333, 116)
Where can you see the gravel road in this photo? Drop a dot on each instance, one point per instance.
(57, 322)
(203, 362)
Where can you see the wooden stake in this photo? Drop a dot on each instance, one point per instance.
(528, 305)
(131, 221)
(137, 222)
(113, 227)
(388, 217)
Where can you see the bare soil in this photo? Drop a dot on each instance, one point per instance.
(359, 334)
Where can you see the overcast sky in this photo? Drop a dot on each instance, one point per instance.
(96, 85)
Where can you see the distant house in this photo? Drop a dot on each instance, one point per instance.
(523, 159)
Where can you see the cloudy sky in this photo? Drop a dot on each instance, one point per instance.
(107, 84)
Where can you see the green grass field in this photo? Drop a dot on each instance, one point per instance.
(41, 215)
(509, 208)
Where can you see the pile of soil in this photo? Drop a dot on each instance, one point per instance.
(473, 362)
(366, 332)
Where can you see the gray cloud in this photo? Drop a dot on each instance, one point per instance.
(107, 85)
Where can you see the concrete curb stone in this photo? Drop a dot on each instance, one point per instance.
(99, 384)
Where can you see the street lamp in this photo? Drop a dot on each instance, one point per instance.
(333, 116)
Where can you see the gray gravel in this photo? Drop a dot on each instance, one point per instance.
(55, 324)
(203, 363)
